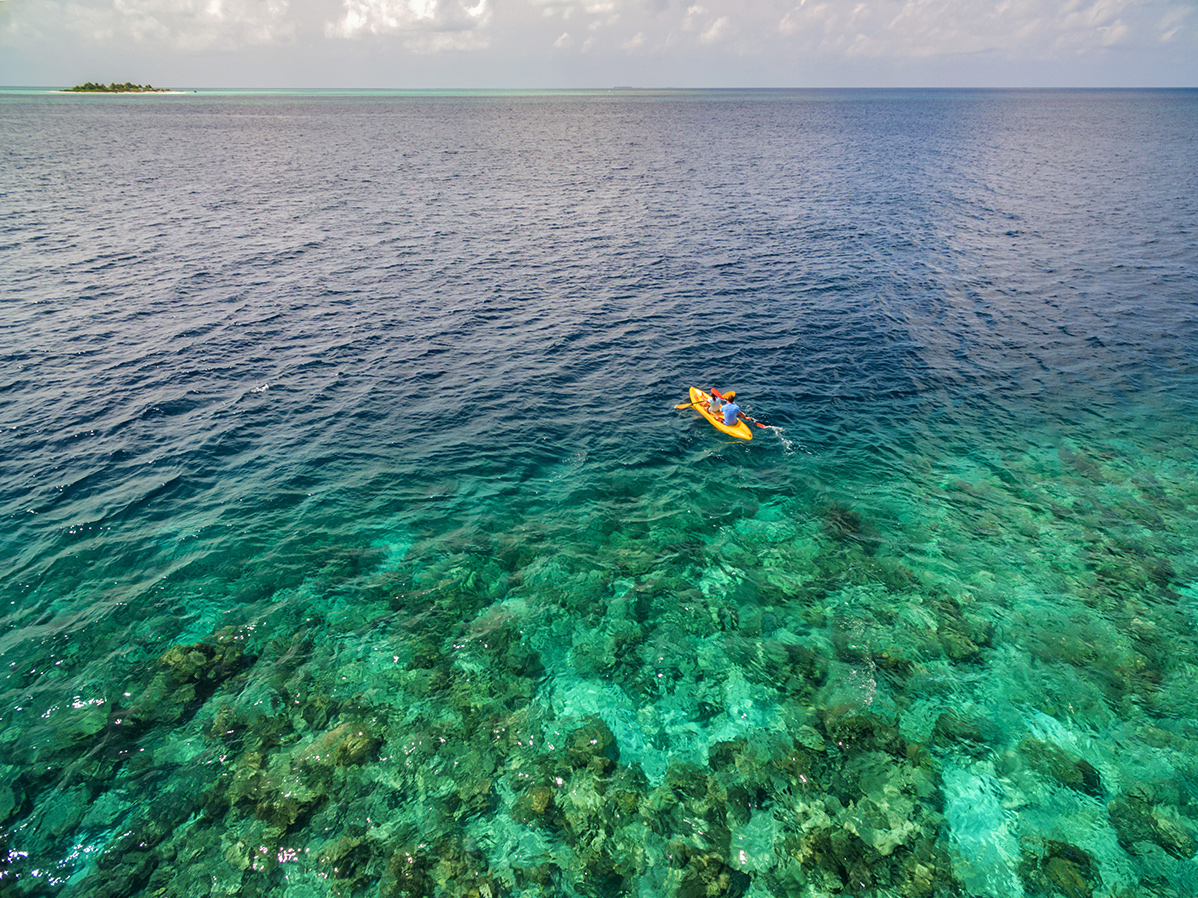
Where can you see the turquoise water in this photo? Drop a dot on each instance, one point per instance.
(355, 545)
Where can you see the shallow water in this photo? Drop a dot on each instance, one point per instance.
(355, 545)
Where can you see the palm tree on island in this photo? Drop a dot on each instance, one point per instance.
(127, 88)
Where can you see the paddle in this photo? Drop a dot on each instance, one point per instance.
(692, 404)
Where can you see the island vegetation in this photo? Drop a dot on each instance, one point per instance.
(127, 88)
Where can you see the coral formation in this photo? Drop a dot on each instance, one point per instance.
(809, 710)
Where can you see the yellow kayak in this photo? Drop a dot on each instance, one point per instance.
(700, 401)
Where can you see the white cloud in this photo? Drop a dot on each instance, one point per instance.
(203, 24)
(928, 28)
(692, 16)
(677, 40)
(714, 32)
(55, 21)
(853, 30)
(177, 25)
(427, 25)
(712, 26)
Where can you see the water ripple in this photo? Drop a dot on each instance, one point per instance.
(343, 393)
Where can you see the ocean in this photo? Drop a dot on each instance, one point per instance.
(353, 543)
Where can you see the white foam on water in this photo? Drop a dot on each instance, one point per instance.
(788, 445)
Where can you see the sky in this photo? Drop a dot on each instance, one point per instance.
(534, 44)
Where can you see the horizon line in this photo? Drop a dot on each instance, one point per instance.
(622, 88)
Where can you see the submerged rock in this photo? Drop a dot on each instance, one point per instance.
(187, 675)
(536, 806)
(593, 746)
(1068, 877)
(706, 875)
(288, 786)
(1060, 868)
(347, 858)
(853, 729)
(957, 645)
(796, 670)
(809, 738)
(972, 735)
(691, 800)
(343, 746)
(1061, 765)
(843, 524)
(1138, 818)
(885, 825)
(409, 874)
(208, 663)
(286, 800)
(75, 726)
(9, 802)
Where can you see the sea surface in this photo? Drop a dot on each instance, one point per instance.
(353, 545)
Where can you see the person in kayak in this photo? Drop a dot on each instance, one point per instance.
(730, 409)
(716, 402)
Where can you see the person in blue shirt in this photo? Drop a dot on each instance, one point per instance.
(722, 405)
(731, 410)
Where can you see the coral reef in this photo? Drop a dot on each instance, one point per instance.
(776, 698)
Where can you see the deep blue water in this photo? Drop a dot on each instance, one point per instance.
(353, 543)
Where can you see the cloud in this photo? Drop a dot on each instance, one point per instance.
(427, 25)
(712, 26)
(1170, 25)
(928, 28)
(714, 32)
(853, 30)
(204, 24)
(690, 36)
(181, 25)
(227, 25)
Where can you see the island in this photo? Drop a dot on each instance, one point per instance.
(114, 88)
